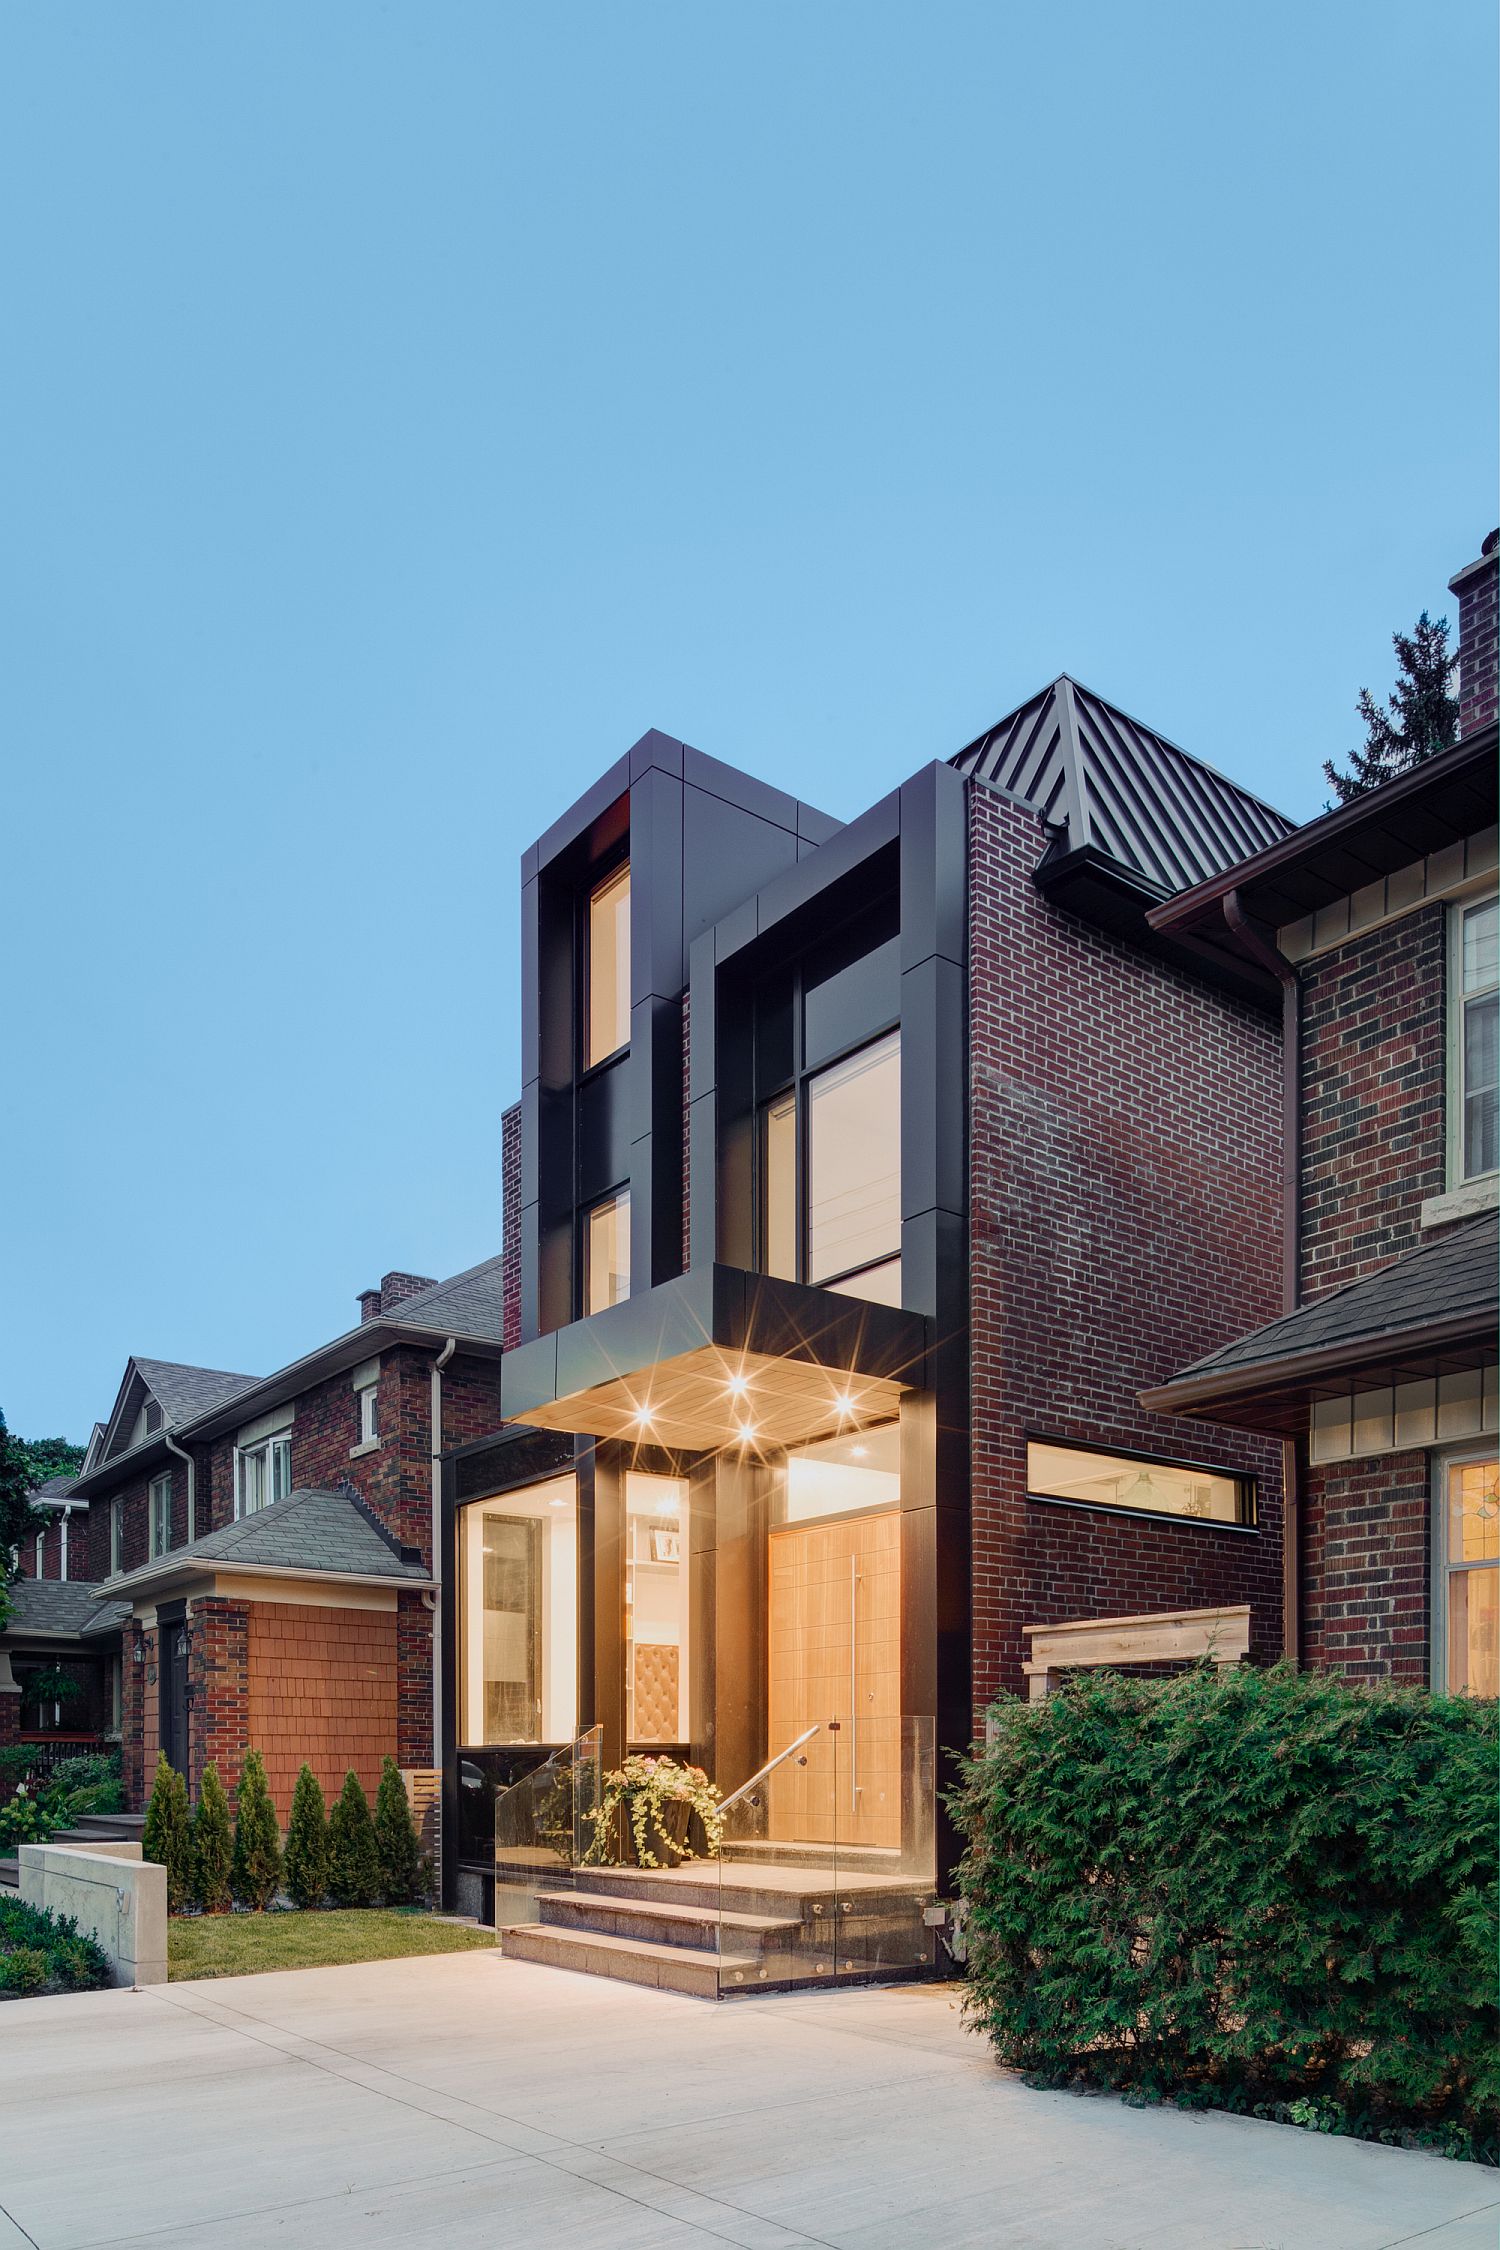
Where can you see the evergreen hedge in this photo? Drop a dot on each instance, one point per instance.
(1248, 1889)
(213, 1845)
(353, 1862)
(305, 1861)
(167, 1837)
(255, 1871)
(398, 1848)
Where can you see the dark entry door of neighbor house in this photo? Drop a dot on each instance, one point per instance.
(173, 1679)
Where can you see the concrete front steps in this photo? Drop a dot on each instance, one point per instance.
(92, 1828)
(768, 1927)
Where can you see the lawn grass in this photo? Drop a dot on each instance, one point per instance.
(246, 1945)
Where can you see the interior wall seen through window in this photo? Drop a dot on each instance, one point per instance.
(1470, 1501)
(518, 1557)
(607, 969)
(656, 1609)
(1110, 1480)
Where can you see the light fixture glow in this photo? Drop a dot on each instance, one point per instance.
(845, 1402)
(643, 1417)
(859, 1452)
(746, 1432)
(738, 1385)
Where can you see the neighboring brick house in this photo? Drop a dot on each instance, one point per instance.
(272, 1538)
(1382, 921)
(58, 1633)
(862, 1177)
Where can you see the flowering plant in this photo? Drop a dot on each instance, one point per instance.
(656, 1798)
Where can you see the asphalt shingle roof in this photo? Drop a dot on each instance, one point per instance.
(1444, 1279)
(308, 1530)
(63, 1605)
(184, 1392)
(469, 1304)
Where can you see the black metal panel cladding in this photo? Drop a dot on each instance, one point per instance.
(700, 837)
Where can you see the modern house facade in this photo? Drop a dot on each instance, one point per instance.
(862, 1178)
(1382, 922)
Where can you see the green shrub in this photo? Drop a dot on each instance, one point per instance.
(353, 1863)
(98, 1773)
(17, 1763)
(26, 1819)
(167, 1836)
(1242, 1887)
(307, 1843)
(213, 1844)
(255, 1871)
(398, 1848)
(25, 1970)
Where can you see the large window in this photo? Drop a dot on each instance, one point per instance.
(1136, 1482)
(831, 1206)
(1467, 1522)
(263, 1473)
(606, 1253)
(159, 1514)
(1474, 1049)
(607, 969)
(519, 1600)
(656, 1610)
(855, 1474)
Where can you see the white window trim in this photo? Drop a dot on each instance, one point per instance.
(41, 1554)
(367, 1440)
(264, 1445)
(116, 1540)
(1441, 1463)
(1458, 1186)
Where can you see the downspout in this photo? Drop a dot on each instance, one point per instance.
(192, 1512)
(435, 1570)
(1255, 940)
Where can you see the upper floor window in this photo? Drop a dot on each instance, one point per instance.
(831, 1190)
(263, 1474)
(607, 969)
(41, 1554)
(114, 1537)
(366, 1397)
(1474, 1048)
(159, 1514)
(606, 1253)
(147, 1422)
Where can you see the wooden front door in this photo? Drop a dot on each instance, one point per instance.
(835, 1653)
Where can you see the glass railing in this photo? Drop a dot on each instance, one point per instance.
(544, 1826)
(826, 1860)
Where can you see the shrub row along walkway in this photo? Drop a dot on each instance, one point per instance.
(473, 2100)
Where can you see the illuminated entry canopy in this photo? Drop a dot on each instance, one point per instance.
(719, 1358)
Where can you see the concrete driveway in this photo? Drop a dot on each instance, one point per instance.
(466, 2099)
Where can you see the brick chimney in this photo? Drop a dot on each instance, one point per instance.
(395, 1288)
(369, 1305)
(1478, 634)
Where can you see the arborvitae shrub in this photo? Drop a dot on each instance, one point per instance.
(213, 1845)
(398, 1847)
(167, 1836)
(306, 1858)
(1250, 1887)
(255, 1874)
(353, 1864)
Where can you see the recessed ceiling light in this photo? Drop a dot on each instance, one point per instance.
(845, 1402)
(738, 1385)
(859, 1452)
(746, 1432)
(643, 1417)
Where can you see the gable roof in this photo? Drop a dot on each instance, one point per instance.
(310, 1532)
(183, 1393)
(1430, 1312)
(64, 1606)
(1121, 789)
(471, 1303)
(51, 1491)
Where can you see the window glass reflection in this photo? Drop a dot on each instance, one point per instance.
(608, 972)
(519, 1610)
(854, 1162)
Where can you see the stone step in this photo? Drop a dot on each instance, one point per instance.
(10, 1873)
(656, 1922)
(119, 1827)
(850, 1859)
(810, 1898)
(670, 1968)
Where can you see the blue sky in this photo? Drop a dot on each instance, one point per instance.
(408, 405)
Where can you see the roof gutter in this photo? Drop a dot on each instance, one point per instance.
(435, 1559)
(1215, 1388)
(192, 1510)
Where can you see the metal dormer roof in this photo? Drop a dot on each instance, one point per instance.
(1121, 789)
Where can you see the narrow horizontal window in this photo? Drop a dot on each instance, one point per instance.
(1120, 1480)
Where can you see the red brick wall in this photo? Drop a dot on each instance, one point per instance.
(218, 1712)
(1366, 1568)
(321, 1687)
(1373, 1098)
(1478, 648)
(139, 1715)
(510, 1239)
(80, 1547)
(1125, 1219)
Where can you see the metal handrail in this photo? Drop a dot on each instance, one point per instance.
(769, 1767)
